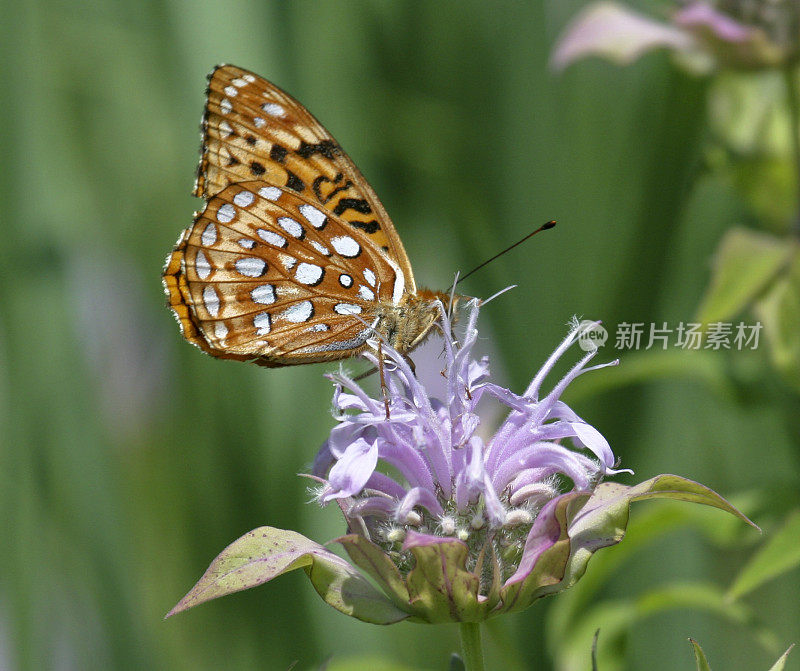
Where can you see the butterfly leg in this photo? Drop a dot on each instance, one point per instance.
(365, 374)
(384, 387)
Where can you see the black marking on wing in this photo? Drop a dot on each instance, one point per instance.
(357, 204)
(344, 187)
(316, 184)
(278, 153)
(326, 148)
(366, 226)
(322, 179)
(294, 182)
(257, 169)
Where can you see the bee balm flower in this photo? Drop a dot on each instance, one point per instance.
(442, 481)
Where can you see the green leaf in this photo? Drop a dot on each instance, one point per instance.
(266, 552)
(682, 489)
(699, 656)
(697, 596)
(615, 618)
(768, 184)
(619, 617)
(703, 597)
(781, 553)
(603, 519)
(745, 263)
(607, 508)
(778, 666)
(779, 312)
(652, 523)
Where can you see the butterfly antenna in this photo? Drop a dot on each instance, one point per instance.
(543, 227)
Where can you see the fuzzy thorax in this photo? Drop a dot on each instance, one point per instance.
(406, 325)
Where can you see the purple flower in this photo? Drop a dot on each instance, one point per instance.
(734, 34)
(452, 525)
(440, 479)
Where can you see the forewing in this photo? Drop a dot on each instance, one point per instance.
(254, 130)
(265, 274)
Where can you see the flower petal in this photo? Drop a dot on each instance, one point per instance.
(704, 15)
(266, 552)
(418, 496)
(349, 475)
(469, 481)
(323, 460)
(732, 44)
(579, 468)
(614, 32)
(594, 441)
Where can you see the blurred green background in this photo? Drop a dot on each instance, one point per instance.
(130, 459)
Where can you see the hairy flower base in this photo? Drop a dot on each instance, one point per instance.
(504, 544)
(440, 587)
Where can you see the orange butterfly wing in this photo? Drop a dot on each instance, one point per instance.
(252, 130)
(266, 275)
(294, 259)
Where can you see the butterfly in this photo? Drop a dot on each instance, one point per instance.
(293, 259)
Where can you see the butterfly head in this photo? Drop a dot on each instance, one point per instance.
(407, 325)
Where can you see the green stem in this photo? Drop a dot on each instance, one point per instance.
(471, 649)
(793, 99)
